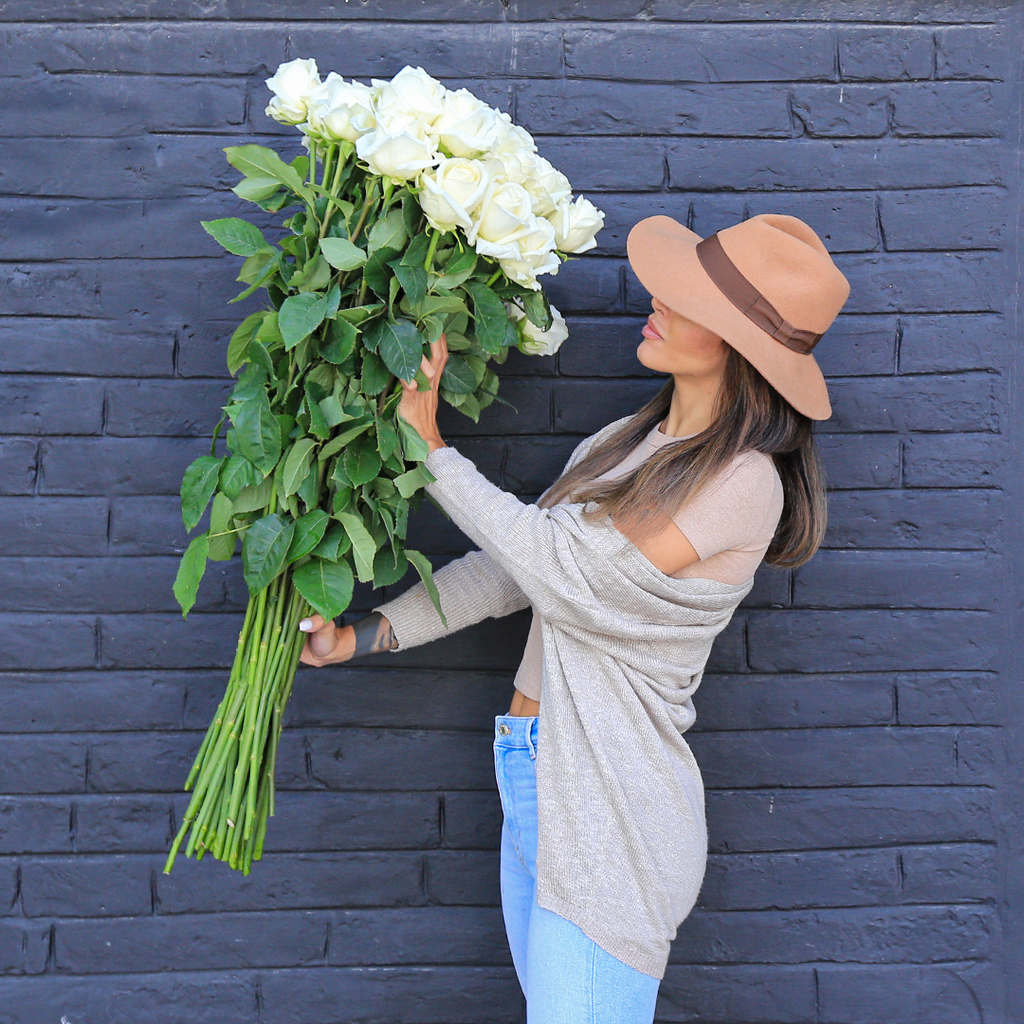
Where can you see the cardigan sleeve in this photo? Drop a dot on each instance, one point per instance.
(470, 589)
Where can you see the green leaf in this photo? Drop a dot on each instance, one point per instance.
(259, 355)
(327, 586)
(236, 474)
(340, 342)
(272, 267)
(412, 279)
(387, 438)
(342, 439)
(342, 254)
(363, 545)
(258, 432)
(374, 373)
(318, 424)
(297, 463)
(538, 309)
(423, 567)
(258, 161)
(197, 487)
(238, 346)
(416, 251)
(222, 538)
(309, 531)
(458, 375)
(460, 268)
(400, 345)
(236, 235)
(490, 315)
(376, 272)
(362, 460)
(190, 571)
(357, 314)
(388, 232)
(256, 189)
(389, 568)
(254, 498)
(269, 333)
(299, 316)
(414, 447)
(263, 550)
(314, 276)
(410, 482)
(335, 543)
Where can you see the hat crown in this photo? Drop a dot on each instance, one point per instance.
(788, 264)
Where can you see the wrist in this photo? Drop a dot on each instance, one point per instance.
(433, 443)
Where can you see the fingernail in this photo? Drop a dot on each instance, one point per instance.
(306, 624)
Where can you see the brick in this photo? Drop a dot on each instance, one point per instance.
(713, 53)
(310, 822)
(82, 347)
(748, 821)
(602, 347)
(948, 344)
(147, 525)
(969, 402)
(845, 111)
(28, 646)
(173, 408)
(821, 164)
(946, 698)
(531, 412)
(463, 877)
(585, 406)
(574, 107)
(23, 947)
(946, 282)
(860, 460)
(958, 460)
(597, 164)
(87, 886)
(885, 54)
(587, 286)
(231, 941)
(787, 881)
(943, 219)
(948, 108)
(149, 640)
(793, 701)
(858, 935)
(284, 881)
(886, 579)
(207, 997)
(441, 995)
(58, 406)
(823, 641)
(441, 935)
(747, 992)
(50, 289)
(116, 465)
(833, 757)
(43, 764)
(857, 346)
(901, 11)
(971, 51)
(9, 884)
(770, 590)
(907, 994)
(472, 821)
(34, 825)
(18, 457)
(953, 873)
(96, 105)
(964, 520)
(122, 824)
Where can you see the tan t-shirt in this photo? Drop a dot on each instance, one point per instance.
(729, 523)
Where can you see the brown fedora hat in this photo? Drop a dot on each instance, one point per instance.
(767, 286)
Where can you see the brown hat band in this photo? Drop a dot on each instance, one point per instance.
(748, 300)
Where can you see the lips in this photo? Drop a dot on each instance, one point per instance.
(649, 331)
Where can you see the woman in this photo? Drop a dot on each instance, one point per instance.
(634, 560)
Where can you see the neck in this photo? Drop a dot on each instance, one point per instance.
(693, 403)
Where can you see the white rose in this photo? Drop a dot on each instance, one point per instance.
(412, 92)
(548, 186)
(537, 255)
(505, 214)
(466, 125)
(576, 224)
(291, 85)
(536, 342)
(340, 110)
(400, 150)
(452, 191)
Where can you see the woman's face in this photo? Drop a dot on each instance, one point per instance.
(673, 344)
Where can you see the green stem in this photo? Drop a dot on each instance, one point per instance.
(432, 249)
(494, 277)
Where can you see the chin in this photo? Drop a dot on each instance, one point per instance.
(649, 358)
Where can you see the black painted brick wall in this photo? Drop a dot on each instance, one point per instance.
(858, 716)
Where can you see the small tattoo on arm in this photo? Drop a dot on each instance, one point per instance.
(373, 633)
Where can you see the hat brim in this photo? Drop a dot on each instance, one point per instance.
(662, 253)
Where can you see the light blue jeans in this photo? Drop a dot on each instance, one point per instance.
(566, 977)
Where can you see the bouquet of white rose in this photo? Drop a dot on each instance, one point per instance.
(418, 211)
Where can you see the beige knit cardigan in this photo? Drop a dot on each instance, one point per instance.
(622, 839)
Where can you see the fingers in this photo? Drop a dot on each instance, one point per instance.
(314, 623)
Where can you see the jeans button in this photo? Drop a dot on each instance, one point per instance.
(504, 729)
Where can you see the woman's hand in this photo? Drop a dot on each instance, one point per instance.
(326, 644)
(419, 408)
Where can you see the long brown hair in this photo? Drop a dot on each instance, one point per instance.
(749, 415)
